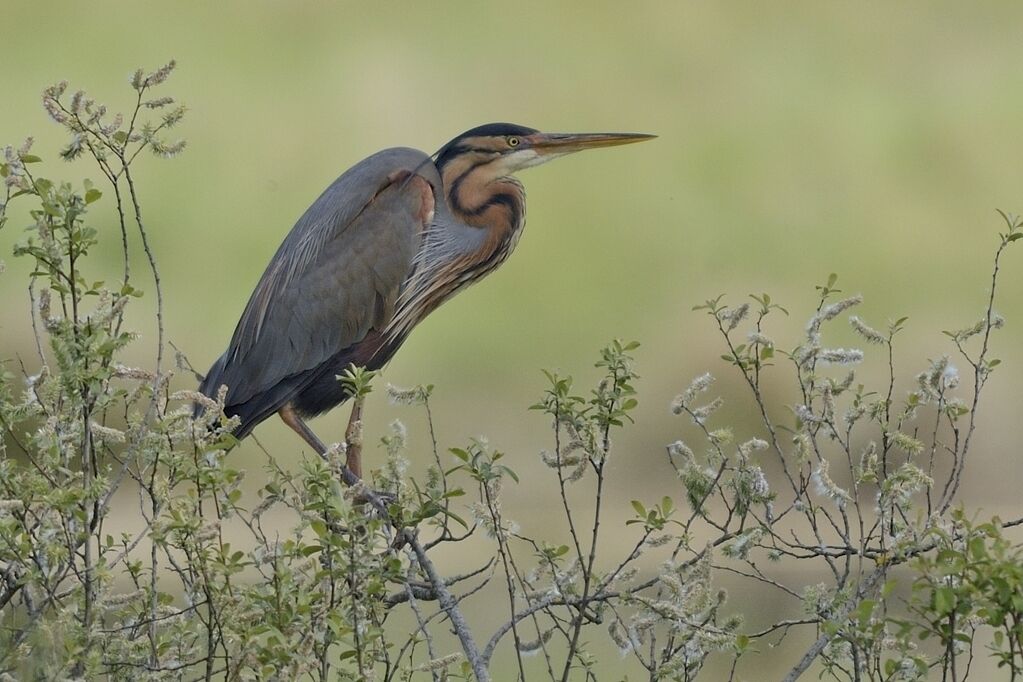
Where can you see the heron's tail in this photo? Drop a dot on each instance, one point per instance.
(250, 412)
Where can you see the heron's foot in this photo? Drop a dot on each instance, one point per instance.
(366, 496)
(379, 500)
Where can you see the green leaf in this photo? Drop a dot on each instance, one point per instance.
(30, 158)
(458, 519)
(944, 600)
(864, 611)
(92, 195)
(666, 504)
(638, 506)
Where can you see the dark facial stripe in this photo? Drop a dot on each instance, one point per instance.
(456, 184)
(460, 150)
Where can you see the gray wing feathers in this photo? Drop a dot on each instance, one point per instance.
(336, 275)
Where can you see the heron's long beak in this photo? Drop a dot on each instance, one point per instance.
(566, 143)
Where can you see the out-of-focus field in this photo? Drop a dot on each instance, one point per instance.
(867, 139)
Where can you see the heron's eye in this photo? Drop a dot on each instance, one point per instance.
(513, 141)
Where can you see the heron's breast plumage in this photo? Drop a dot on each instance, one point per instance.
(478, 228)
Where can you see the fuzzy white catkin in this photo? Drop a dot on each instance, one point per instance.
(867, 332)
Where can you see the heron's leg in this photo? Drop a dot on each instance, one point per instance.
(353, 436)
(291, 418)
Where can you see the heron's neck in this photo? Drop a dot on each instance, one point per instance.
(479, 197)
(475, 230)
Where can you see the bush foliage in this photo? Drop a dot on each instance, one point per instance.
(312, 579)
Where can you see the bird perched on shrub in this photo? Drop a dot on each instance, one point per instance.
(391, 239)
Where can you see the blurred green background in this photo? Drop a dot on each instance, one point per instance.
(796, 139)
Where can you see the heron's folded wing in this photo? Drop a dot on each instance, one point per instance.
(335, 277)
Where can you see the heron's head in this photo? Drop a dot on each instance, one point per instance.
(506, 148)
